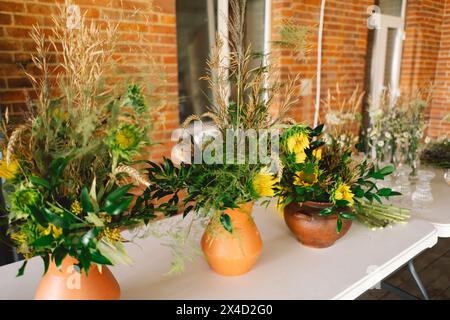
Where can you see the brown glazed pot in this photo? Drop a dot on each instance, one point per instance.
(233, 254)
(312, 229)
(68, 284)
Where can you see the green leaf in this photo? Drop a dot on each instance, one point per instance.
(86, 201)
(22, 269)
(376, 175)
(57, 167)
(118, 208)
(225, 220)
(40, 182)
(339, 225)
(369, 196)
(85, 262)
(327, 211)
(377, 198)
(358, 191)
(46, 260)
(58, 256)
(39, 216)
(54, 218)
(187, 210)
(386, 170)
(43, 241)
(317, 130)
(116, 194)
(384, 192)
(342, 203)
(98, 258)
(347, 215)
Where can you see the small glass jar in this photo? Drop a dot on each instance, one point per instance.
(403, 182)
(422, 196)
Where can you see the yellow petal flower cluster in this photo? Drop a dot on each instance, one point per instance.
(296, 144)
(76, 207)
(53, 230)
(264, 182)
(343, 192)
(8, 172)
(21, 240)
(19, 237)
(304, 179)
(317, 153)
(112, 235)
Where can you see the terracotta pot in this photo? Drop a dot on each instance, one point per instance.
(68, 284)
(232, 254)
(312, 229)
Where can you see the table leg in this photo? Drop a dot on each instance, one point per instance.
(417, 279)
(403, 294)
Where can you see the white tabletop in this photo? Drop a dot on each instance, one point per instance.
(438, 212)
(285, 270)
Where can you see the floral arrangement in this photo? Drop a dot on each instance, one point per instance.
(223, 185)
(397, 128)
(319, 172)
(69, 164)
(243, 96)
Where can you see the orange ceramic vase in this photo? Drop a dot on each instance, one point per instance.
(233, 254)
(68, 284)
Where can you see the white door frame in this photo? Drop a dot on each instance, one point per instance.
(222, 29)
(383, 23)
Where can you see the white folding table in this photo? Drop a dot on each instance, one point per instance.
(285, 270)
(438, 214)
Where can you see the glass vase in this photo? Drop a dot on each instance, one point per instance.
(422, 196)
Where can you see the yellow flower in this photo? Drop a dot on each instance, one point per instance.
(76, 207)
(125, 140)
(317, 153)
(300, 157)
(6, 171)
(264, 182)
(19, 237)
(21, 240)
(304, 179)
(297, 143)
(112, 235)
(343, 192)
(53, 230)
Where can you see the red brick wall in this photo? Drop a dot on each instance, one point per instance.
(344, 46)
(441, 102)
(157, 26)
(421, 46)
(426, 57)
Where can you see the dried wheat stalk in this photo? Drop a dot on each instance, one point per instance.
(13, 141)
(132, 173)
